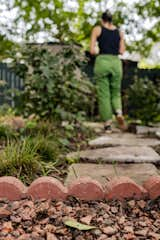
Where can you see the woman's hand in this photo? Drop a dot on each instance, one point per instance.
(93, 52)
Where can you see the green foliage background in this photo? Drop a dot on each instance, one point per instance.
(64, 23)
(144, 101)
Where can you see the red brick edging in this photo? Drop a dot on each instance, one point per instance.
(83, 188)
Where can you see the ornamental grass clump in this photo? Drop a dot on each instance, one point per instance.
(20, 159)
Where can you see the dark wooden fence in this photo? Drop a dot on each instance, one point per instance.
(130, 72)
(9, 83)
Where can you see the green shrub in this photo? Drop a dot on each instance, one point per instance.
(144, 101)
(55, 85)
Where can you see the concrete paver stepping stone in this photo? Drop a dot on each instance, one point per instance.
(98, 127)
(123, 140)
(101, 172)
(120, 154)
(145, 130)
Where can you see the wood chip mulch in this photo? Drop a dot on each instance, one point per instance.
(44, 220)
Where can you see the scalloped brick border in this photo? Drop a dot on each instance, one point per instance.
(124, 187)
(83, 188)
(47, 187)
(12, 188)
(152, 185)
(86, 189)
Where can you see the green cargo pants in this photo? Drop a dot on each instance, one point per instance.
(108, 76)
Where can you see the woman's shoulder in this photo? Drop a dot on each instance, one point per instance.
(97, 30)
(114, 27)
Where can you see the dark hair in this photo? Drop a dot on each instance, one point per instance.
(107, 16)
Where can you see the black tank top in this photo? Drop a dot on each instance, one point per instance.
(109, 41)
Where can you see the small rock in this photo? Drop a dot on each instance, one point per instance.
(16, 122)
(7, 227)
(44, 221)
(109, 230)
(121, 220)
(79, 238)
(141, 204)
(132, 203)
(50, 228)
(15, 205)
(157, 223)
(105, 216)
(105, 206)
(62, 231)
(43, 207)
(100, 220)
(38, 229)
(96, 232)
(16, 219)
(142, 224)
(67, 209)
(51, 236)
(103, 237)
(108, 222)
(129, 236)
(142, 232)
(9, 237)
(16, 233)
(156, 236)
(35, 236)
(59, 206)
(114, 210)
(128, 229)
(4, 213)
(86, 220)
(29, 204)
(25, 237)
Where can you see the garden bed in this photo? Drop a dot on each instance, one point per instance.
(31, 148)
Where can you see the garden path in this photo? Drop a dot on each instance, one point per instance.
(117, 154)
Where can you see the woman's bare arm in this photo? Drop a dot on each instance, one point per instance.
(122, 47)
(94, 35)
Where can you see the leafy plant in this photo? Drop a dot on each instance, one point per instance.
(55, 85)
(144, 101)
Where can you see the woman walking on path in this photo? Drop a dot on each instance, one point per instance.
(108, 70)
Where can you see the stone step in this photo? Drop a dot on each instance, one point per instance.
(103, 172)
(145, 130)
(125, 139)
(120, 154)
